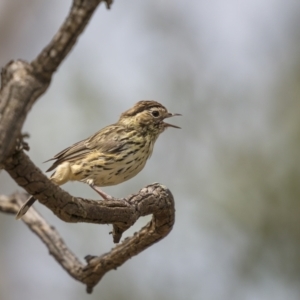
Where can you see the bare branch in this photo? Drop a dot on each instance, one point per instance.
(121, 212)
(23, 83)
(45, 232)
(20, 89)
(154, 199)
(51, 57)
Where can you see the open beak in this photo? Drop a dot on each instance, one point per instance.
(169, 115)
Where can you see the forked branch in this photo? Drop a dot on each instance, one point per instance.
(153, 199)
(22, 84)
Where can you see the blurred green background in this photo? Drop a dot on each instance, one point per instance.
(232, 68)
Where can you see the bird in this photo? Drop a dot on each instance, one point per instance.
(112, 155)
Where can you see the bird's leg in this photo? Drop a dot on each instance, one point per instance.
(100, 192)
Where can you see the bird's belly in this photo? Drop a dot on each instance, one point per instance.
(106, 172)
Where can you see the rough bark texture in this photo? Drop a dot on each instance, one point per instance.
(22, 84)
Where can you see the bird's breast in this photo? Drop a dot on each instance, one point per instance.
(112, 169)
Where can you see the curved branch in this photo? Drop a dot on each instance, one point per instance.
(51, 57)
(121, 212)
(23, 83)
(45, 232)
(155, 199)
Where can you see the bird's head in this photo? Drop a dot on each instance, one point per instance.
(148, 116)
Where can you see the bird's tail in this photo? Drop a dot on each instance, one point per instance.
(25, 207)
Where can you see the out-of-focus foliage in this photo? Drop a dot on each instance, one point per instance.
(232, 68)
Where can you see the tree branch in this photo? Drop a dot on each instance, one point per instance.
(45, 232)
(121, 212)
(23, 83)
(155, 199)
(51, 57)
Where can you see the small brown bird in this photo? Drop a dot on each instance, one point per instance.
(112, 155)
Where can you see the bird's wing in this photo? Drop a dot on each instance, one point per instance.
(108, 140)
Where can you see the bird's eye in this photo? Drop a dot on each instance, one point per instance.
(155, 113)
